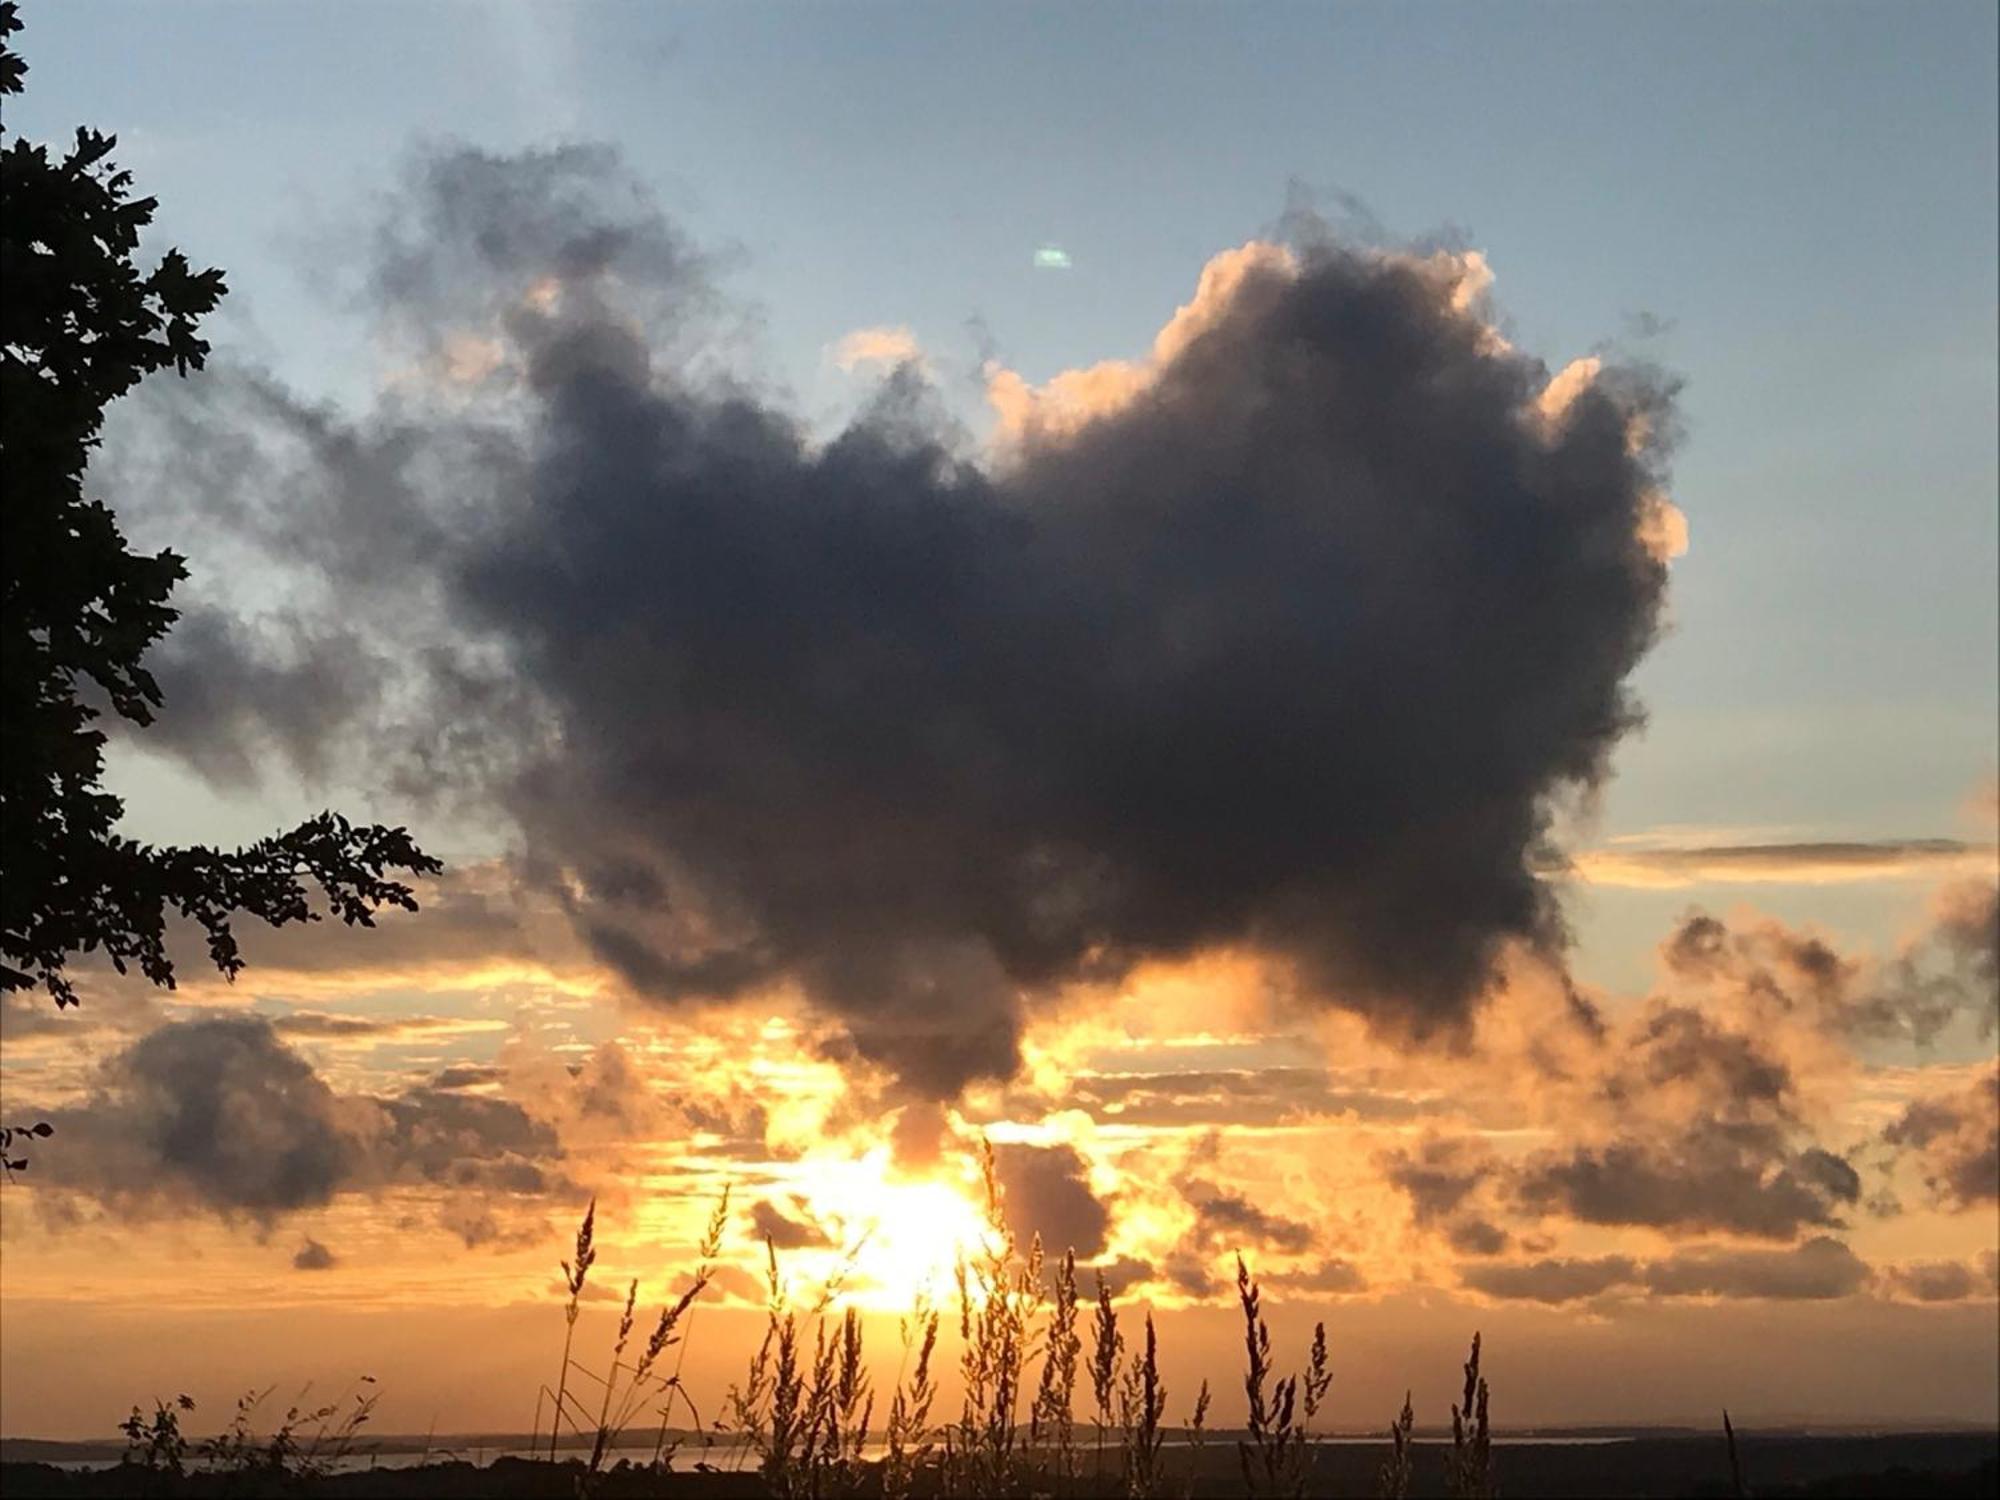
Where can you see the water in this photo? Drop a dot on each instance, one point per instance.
(731, 1456)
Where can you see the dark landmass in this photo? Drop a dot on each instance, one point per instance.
(1946, 1464)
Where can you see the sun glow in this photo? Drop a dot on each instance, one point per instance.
(895, 1235)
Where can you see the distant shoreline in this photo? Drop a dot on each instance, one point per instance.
(494, 1444)
(1623, 1464)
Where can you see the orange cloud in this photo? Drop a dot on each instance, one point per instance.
(876, 346)
(1073, 398)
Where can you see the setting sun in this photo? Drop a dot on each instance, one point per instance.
(893, 1235)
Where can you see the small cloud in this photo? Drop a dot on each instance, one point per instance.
(877, 346)
(1478, 1237)
(1941, 1280)
(1329, 1276)
(1119, 1276)
(729, 1284)
(1046, 1191)
(1223, 1218)
(313, 1256)
(466, 1076)
(1550, 1281)
(1051, 258)
(1955, 1139)
(784, 1232)
(1190, 1275)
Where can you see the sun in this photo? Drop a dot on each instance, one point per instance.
(900, 1235)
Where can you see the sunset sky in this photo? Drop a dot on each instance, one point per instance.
(1364, 635)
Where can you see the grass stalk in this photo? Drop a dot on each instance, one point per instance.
(574, 1276)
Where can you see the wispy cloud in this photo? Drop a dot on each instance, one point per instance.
(1675, 867)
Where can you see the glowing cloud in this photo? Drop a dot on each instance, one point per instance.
(876, 346)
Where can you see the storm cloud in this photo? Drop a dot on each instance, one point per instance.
(1294, 646)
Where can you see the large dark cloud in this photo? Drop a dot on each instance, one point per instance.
(1293, 650)
(220, 1115)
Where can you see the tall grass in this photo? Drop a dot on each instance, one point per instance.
(575, 1274)
(1736, 1486)
(1107, 1346)
(1470, 1470)
(1052, 1425)
(1142, 1402)
(908, 1434)
(1000, 1294)
(1397, 1469)
(806, 1416)
(1196, 1430)
(627, 1390)
(806, 1406)
(1276, 1453)
(675, 1320)
(308, 1443)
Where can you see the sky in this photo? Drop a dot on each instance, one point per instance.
(1363, 634)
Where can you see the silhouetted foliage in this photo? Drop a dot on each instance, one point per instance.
(9, 1162)
(80, 325)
